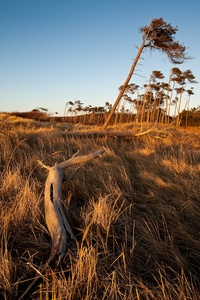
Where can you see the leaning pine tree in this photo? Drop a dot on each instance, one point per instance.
(157, 36)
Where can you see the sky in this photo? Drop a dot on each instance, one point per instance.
(55, 51)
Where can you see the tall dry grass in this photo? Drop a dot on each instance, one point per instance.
(135, 212)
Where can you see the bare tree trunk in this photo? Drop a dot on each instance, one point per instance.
(187, 111)
(138, 110)
(178, 121)
(170, 101)
(124, 86)
(143, 109)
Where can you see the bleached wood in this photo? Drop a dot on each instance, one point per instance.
(56, 220)
(96, 134)
(57, 223)
(80, 159)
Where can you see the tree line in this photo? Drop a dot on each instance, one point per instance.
(158, 101)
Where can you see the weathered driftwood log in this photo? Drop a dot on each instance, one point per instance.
(56, 221)
(123, 134)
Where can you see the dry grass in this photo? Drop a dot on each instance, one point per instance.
(135, 213)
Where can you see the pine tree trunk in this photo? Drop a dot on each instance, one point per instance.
(124, 86)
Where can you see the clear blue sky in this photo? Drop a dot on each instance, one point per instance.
(54, 51)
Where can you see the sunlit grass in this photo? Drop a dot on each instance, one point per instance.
(135, 212)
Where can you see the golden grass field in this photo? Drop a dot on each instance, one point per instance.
(135, 212)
